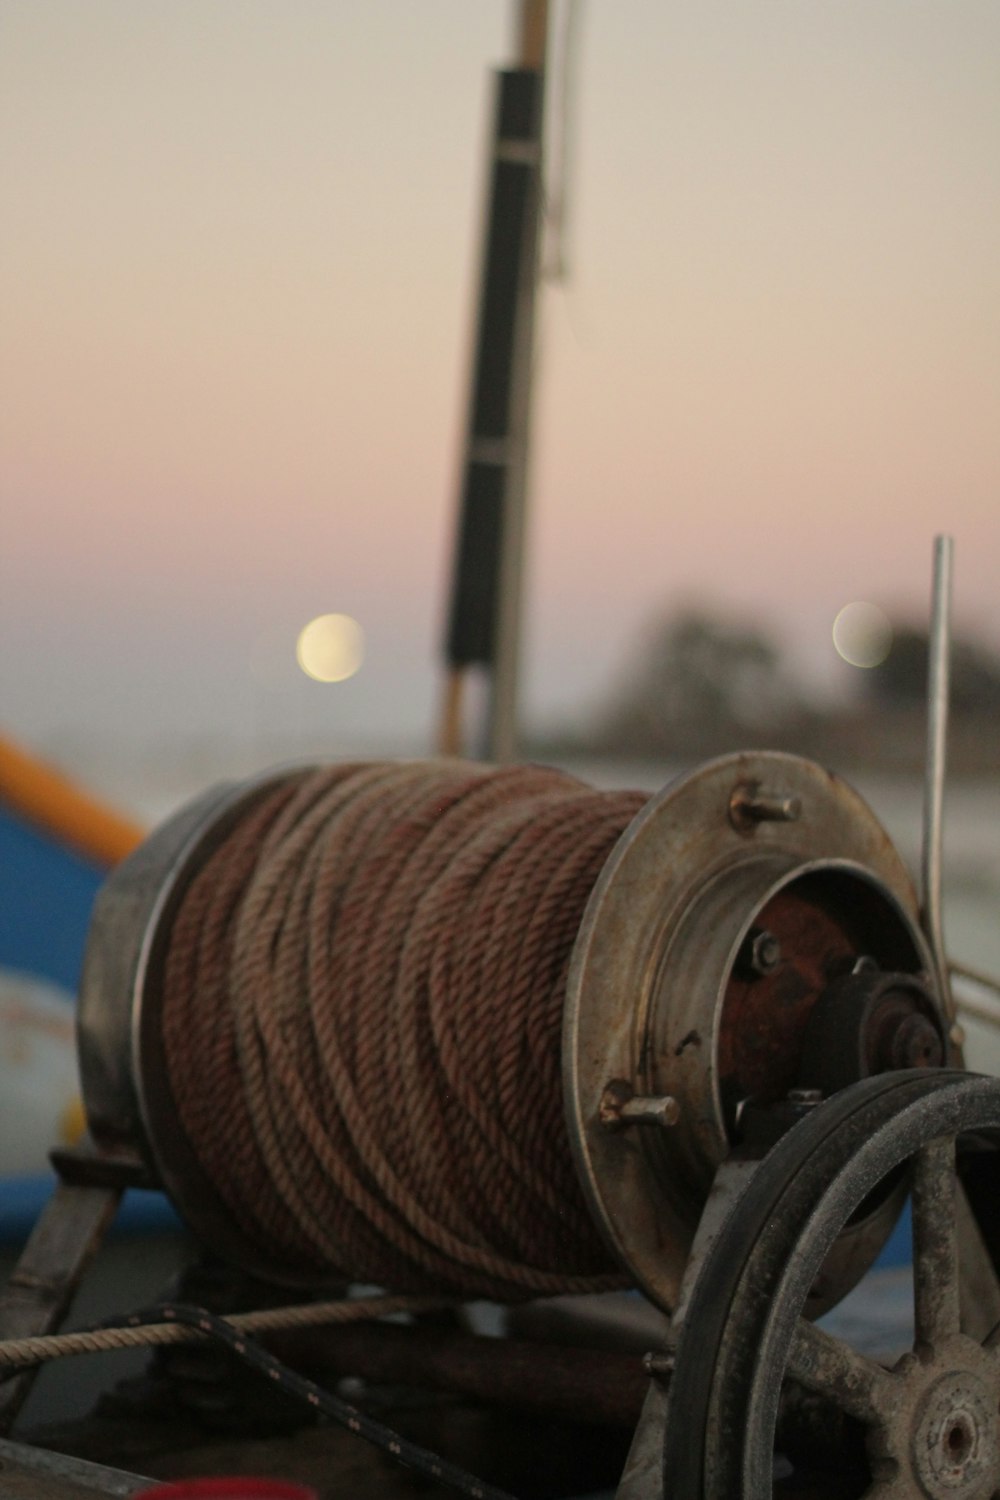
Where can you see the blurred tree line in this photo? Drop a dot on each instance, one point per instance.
(703, 685)
(901, 680)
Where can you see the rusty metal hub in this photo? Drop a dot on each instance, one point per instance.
(943, 1433)
(817, 929)
(871, 1022)
(741, 902)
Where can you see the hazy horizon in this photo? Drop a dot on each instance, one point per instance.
(236, 292)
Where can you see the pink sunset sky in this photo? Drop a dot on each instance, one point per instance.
(237, 275)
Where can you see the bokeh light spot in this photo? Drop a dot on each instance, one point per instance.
(862, 634)
(330, 648)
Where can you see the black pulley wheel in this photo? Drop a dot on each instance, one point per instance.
(928, 1428)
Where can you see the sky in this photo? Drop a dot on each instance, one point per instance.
(238, 272)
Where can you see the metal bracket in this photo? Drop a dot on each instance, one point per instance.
(65, 1239)
(642, 1478)
(36, 1474)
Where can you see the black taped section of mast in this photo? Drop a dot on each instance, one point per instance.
(508, 258)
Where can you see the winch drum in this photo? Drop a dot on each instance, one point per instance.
(663, 1001)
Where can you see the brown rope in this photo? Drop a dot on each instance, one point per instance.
(38, 1348)
(363, 999)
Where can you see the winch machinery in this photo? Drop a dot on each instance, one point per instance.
(730, 985)
(751, 944)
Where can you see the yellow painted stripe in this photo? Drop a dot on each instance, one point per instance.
(46, 798)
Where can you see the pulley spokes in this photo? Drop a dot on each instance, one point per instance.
(746, 1358)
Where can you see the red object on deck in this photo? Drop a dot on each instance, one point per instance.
(234, 1487)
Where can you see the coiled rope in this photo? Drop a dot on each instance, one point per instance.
(362, 1011)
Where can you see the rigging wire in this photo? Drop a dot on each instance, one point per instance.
(561, 153)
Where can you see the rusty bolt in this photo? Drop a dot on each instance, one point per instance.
(915, 1043)
(763, 951)
(805, 1098)
(750, 805)
(659, 1364)
(656, 1109)
(620, 1107)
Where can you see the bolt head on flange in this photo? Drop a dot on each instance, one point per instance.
(726, 909)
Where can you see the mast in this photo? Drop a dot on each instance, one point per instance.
(485, 611)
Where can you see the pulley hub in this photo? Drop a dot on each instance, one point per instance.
(945, 1435)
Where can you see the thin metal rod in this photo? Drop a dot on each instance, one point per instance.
(981, 1010)
(939, 658)
(984, 1006)
(975, 976)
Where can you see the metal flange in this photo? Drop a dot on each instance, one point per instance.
(729, 904)
(123, 1069)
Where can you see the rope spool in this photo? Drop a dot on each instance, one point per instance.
(362, 1001)
(338, 1014)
